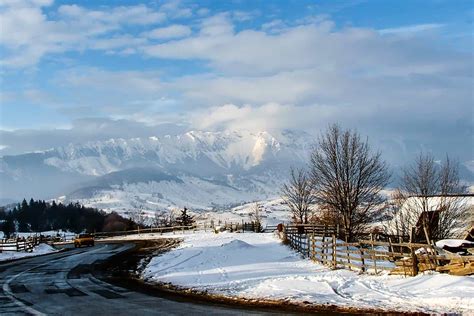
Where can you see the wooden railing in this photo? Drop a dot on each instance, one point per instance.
(160, 230)
(230, 226)
(369, 255)
(25, 245)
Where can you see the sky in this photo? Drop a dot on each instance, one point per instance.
(400, 72)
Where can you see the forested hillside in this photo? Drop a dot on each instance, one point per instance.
(39, 216)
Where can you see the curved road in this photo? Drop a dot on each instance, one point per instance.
(54, 285)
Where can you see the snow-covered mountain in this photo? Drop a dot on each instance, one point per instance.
(196, 169)
(202, 153)
(199, 170)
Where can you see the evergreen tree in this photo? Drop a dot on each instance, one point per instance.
(22, 217)
(184, 219)
(41, 216)
(8, 226)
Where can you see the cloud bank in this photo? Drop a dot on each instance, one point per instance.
(189, 66)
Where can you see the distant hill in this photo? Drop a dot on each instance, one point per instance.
(197, 169)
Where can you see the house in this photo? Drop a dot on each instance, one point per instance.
(431, 210)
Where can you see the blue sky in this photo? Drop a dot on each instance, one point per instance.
(399, 71)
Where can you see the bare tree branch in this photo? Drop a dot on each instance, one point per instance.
(297, 194)
(347, 177)
(431, 195)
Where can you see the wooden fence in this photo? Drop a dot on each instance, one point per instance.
(369, 255)
(230, 226)
(18, 244)
(160, 230)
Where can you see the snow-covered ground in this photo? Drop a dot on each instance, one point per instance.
(258, 266)
(272, 211)
(41, 249)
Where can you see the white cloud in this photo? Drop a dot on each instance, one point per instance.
(175, 9)
(284, 74)
(411, 29)
(80, 131)
(203, 11)
(252, 52)
(171, 31)
(274, 26)
(269, 116)
(29, 34)
(137, 14)
(118, 81)
(242, 16)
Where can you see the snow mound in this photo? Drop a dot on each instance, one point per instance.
(43, 248)
(237, 244)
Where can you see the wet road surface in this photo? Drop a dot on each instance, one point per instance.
(52, 285)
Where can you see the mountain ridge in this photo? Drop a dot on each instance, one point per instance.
(198, 169)
(240, 161)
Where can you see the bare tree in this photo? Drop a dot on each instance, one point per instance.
(298, 195)
(255, 216)
(159, 218)
(165, 218)
(138, 216)
(431, 195)
(347, 178)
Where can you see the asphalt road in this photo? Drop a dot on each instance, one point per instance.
(52, 285)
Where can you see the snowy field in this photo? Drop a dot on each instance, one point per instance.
(259, 266)
(41, 249)
(272, 212)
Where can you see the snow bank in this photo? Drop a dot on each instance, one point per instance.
(453, 243)
(259, 266)
(41, 249)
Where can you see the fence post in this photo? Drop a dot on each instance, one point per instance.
(390, 248)
(298, 243)
(414, 260)
(373, 252)
(430, 243)
(323, 250)
(362, 257)
(334, 259)
(348, 256)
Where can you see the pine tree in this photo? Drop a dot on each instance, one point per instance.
(23, 217)
(185, 219)
(8, 226)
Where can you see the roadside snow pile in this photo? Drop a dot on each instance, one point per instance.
(41, 249)
(259, 266)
